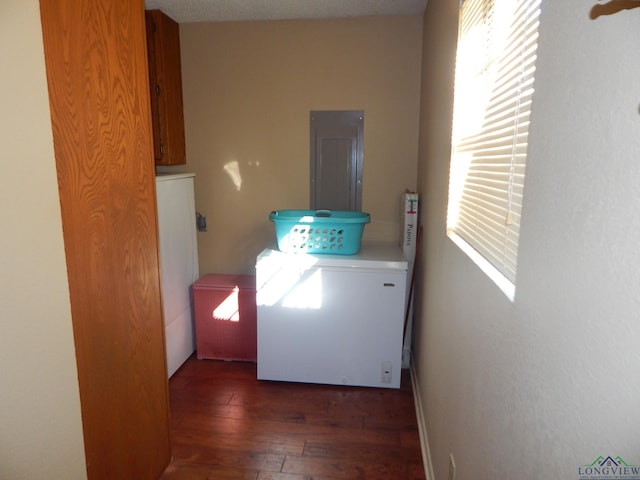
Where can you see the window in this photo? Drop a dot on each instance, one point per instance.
(495, 67)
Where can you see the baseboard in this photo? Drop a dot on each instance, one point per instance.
(422, 429)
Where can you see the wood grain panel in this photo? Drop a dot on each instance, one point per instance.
(95, 56)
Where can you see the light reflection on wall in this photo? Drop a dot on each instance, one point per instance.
(232, 169)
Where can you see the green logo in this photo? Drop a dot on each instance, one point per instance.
(609, 468)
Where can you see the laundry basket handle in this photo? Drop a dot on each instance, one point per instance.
(322, 213)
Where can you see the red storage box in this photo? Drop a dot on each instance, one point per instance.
(225, 314)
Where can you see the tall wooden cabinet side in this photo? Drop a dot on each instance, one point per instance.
(96, 70)
(165, 80)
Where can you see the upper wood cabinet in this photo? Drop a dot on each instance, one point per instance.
(165, 82)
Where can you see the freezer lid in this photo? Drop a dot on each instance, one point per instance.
(375, 256)
(222, 281)
(164, 177)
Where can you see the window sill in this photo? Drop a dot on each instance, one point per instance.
(503, 283)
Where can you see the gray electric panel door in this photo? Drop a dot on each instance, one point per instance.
(336, 159)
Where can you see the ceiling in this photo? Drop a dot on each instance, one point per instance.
(184, 11)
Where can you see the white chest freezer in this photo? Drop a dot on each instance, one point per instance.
(332, 319)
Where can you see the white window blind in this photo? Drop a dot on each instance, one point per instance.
(495, 67)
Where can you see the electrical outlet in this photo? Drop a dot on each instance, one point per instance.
(387, 373)
(452, 467)
(201, 222)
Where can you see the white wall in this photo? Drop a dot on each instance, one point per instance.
(536, 388)
(40, 423)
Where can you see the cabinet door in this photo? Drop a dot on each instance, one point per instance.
(336, 159)
(98, 94)
(165, 82)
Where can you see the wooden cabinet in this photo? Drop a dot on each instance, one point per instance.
(97, 78)
(165, 83)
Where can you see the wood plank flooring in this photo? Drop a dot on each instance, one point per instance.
(227, 425)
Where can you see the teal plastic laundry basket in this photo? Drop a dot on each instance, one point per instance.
(319, 231)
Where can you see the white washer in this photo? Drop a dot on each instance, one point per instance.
(333, 319)
(178, 262)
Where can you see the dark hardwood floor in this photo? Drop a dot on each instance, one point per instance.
(227, 425)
